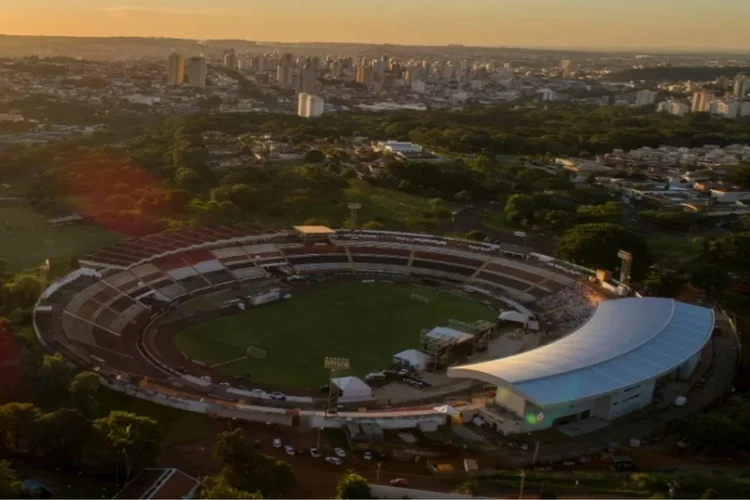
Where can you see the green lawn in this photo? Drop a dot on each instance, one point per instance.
(365, 322)
(396, 209)
(497, 221)
(30, 241)
(675, 249)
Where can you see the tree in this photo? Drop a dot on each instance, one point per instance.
(10, 483)
(546, 492)
(60, 436)
(664, 282)
(246, 469)
(315, 156)
(126, 442)
(519, 209)
(217, 487)
(469, 487)
(710, 493)
(435, 207)
(463, 196)
(373, 225)
(17, 426)
(83, 389)
(710, 278)
(353, 485)
(52, 379)
(596, 246)
(475, 235)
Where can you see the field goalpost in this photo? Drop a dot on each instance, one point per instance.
(420, 298)
(256, 352)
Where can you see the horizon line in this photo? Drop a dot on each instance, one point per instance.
(575, 48)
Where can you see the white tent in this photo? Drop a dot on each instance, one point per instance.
(448, 410)
(518, 317)
(353, 389)
(412, 358)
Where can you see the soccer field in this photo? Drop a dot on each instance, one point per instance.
(365, 322)
(27, 241)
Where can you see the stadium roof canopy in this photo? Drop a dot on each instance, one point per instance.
(626, 341)
(314, 230)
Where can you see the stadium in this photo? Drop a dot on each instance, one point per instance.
(313, 327)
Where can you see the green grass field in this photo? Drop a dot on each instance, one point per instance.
(30, 241)
(365, 322)
(675, 249)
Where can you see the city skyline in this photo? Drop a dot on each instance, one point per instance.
(579, 24)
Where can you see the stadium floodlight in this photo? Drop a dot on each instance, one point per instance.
(335, 364)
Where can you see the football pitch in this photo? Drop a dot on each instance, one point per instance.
(365, 322)
(26, 240)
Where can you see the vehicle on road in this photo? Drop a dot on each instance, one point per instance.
(276, 443)
(289, 450)
(333, 460)
(400, 481)
(339, 452)
(315, 453)
(367, 455)
(278, 396)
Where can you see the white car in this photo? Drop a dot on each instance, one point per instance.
(276, 443)
(339, 452)
(258, 392)
(315, 453)
(278, 396)
(367, 455)
(289, 450)
(333, 460)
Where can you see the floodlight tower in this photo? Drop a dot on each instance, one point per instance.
(334, 365)
(627, 264)
(354, 209)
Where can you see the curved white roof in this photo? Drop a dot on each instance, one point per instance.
(626, 341)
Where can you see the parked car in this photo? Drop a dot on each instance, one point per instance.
(339, 452)
(333, 460)
(289, 450)
(400, 481)
(276, 443)
(278, 396)
(315, 453)
(367, 455)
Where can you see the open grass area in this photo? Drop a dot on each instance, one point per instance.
(674, 249)
(395, 209)
(496, 221)
(365, 322)
(27, 240)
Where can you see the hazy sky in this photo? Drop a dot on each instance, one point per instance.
(517, 23)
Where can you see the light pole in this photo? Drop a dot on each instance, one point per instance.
(536, 453)
(523, 481)
(334, 365)
(377, 477)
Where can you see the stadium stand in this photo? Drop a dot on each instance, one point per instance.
(571, 306)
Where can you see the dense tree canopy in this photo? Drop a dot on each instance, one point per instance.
(596, 246)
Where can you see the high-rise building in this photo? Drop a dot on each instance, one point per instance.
(309, 106)
(307, 78)
(364, 74)
(701, 102)
(175, 69)
(741, 86)
(285, 71)
(196, 72)
(230, 60)
(645, 97)
(566, 65)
